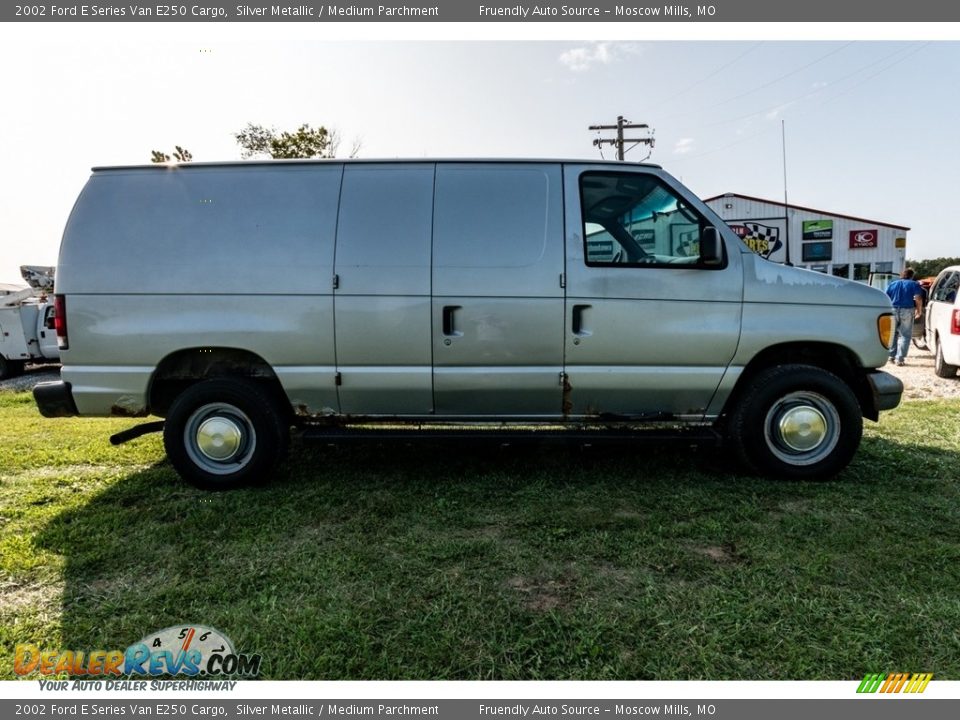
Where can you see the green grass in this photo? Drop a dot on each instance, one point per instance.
(452, 562)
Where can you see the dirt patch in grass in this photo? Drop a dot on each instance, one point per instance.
(16, 596)
(721, 554)
(541, 595)
(796, 506)
(616, 573)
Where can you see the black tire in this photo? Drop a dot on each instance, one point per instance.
(796, 422)
(224, 434)
(10, 368)
(941, 368)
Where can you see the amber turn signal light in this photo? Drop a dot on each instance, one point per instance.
(885, 328)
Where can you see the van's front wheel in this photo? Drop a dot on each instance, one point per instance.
(223, 434)
(797, 422)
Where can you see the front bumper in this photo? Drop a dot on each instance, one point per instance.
(55, 399)
(885, 389)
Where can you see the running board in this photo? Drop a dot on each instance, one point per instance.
(705, 436)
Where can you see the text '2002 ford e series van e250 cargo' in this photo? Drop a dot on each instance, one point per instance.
(238, 300)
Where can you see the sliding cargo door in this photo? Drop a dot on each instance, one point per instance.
(497, 296)
(382, 297)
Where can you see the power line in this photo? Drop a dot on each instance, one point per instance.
(765, 85)
(812, 93)
(714, 73)
(870, 77)
(784, 76)
(768, 130)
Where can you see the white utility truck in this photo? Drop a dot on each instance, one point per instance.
(27, 332)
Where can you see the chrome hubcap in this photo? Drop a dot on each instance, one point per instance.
(219, 438)
(803, 428)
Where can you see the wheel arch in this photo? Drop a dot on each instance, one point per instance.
(834, 358)
(183, 368)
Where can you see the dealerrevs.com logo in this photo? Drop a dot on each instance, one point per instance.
(179, 650)
(894, 682)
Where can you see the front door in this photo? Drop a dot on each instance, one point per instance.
(649, 328)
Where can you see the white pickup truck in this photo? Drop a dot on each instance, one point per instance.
(27, 332)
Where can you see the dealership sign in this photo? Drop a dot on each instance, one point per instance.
(762, 239)
(863, 239)
(817, 229)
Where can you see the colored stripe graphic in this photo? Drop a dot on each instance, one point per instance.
(919, 684)
(890, 683)
(870, 683)
(894, 682)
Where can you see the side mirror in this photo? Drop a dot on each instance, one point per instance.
(711, 247)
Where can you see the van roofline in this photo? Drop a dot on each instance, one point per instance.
(362, 161)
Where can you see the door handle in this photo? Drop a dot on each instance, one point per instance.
(579, 321)
(450, 321)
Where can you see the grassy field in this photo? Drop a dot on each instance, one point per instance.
(452, 562)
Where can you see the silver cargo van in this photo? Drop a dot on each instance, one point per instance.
(237, 300)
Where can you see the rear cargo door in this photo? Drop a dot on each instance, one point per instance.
(497, 295)
(382, 296)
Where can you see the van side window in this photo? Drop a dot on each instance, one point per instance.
(636, 220)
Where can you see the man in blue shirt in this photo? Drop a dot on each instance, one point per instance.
(907, 298)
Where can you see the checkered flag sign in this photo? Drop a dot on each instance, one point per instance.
(764, 240)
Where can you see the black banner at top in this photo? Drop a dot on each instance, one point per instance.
(486, 11)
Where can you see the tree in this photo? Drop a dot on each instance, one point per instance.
(928, 268)
(179, 154)
(304, 142)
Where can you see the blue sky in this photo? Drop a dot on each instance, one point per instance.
(870, 126)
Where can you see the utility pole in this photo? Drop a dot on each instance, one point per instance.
(786, 205)
(618, 142)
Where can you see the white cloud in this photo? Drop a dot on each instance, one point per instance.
(583, 58)
(683, 146)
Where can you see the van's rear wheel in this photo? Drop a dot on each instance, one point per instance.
(223, 434)
(796, 422)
